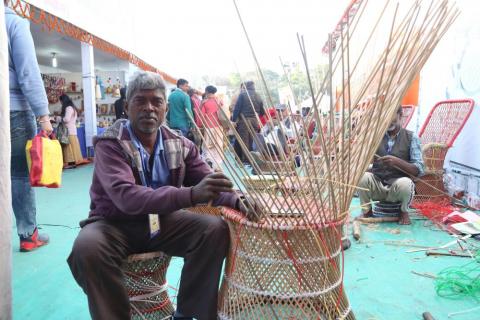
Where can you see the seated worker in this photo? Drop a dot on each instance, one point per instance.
(398, 158)
(273, 139)
(144, 175)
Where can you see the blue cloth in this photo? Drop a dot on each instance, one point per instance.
(156, 173)
(82, 140)
(27, 91)
(23, 127)
(100, 130)
(416, 157)
(184, 131)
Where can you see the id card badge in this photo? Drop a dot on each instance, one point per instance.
(154, 224)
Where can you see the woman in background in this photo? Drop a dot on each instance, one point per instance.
(213, 131)
(120, 105)
(71, 152)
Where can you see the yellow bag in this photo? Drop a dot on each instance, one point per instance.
(45, 161)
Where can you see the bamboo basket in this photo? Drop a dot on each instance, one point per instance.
(296, 280)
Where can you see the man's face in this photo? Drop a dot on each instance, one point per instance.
(395, 123)
(184, 87)
(146, 110)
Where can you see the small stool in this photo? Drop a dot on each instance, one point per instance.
(386, 209)
(145, 281)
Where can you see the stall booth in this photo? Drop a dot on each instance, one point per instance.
(83, 66)
(60, 62)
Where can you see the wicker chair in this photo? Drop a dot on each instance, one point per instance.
(292, 282)
(441, 128)
(145, 280)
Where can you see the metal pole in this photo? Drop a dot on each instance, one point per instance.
(88, 81)
(5, 191)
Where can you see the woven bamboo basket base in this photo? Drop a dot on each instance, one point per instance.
(154, 311)
(295, 273)
(147, 287)
(287, 312)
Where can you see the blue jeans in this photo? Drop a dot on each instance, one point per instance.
(22, 128)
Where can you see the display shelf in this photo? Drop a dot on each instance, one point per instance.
(107, 100)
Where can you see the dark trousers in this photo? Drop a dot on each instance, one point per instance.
(243, 128)
(102, 247)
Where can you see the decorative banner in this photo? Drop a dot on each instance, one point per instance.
(49, 22)
(54, 86)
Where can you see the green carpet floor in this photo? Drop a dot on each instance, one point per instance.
(378, 277)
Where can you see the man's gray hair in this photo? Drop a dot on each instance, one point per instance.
(145, 80)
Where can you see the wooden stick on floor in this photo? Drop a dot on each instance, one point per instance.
(356, 230)
(377, 220)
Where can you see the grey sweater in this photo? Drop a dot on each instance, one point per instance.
(26, 85)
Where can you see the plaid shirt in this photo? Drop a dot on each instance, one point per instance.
(415, 152)
(117, 190)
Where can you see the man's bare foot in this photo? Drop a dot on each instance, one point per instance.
(367, 214)
(404, 219)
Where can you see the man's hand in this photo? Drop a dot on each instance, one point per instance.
(252, 210)
(45, 124)
(399, 164)
(390, 161)
(210, 188)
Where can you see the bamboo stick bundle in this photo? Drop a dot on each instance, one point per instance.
(288, 265)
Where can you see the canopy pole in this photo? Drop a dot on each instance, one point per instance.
(88, 82)
(5, 191)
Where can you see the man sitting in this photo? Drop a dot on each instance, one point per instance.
(144, 175)
(398, 158)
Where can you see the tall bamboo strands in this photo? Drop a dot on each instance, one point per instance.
(288, 264)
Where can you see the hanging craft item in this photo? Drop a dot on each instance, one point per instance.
(98, 90)
(116, 88)
(109, 88)
(116, 92)
(102, 88)
(54, 87)
(289, 263)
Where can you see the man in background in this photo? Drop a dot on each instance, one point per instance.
(397, 160)
(28, 105)
(248, 108)
(180, 113)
